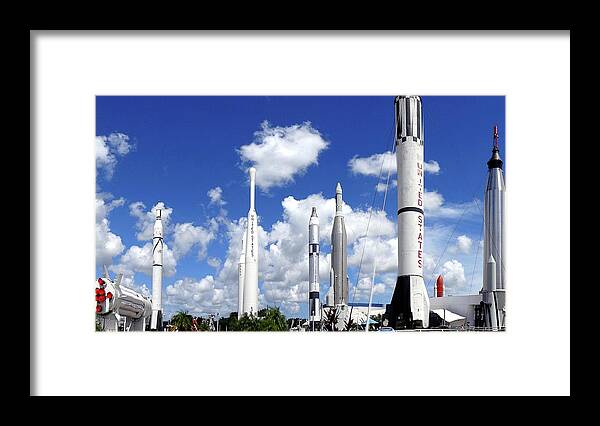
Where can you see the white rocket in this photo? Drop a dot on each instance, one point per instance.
(241, 276)
(250, 294)
(314, 304)
(409, 307)
(494, 260)
(157, 270)
(338, 274)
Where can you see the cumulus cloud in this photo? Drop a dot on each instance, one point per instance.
(216, 196)
(139, 259)
(186, 236)
(463, 245)
(380, 187)
(108, 149)
(291, 149)
(454, 276)
(108, 244)
(145, 219)
(436, 208)
(196, 296)
(386, 163)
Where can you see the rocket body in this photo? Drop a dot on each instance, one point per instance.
(241, 276)
(314, 303)
(339, 254)
(250, 299)
(157, 271)
(410, 302)
(494, 259)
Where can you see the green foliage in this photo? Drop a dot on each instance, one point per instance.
(268, 319)
(98, 326)
(182, 321)
(331, 319)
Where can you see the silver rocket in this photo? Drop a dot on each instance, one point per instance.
(241, 276)
(157, 270)
(250, 298)
(409, 307)
(494, 260)
(314, 304)
(338, 275)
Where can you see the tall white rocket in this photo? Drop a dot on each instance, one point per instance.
(494, 259)
(314, 304)
(338, 274)
(250, 298)
(410, 302)
(241, 276)
(157, 270)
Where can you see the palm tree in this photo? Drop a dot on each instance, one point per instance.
(331, 319)
(182, 321)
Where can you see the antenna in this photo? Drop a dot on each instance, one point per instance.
(496, 137)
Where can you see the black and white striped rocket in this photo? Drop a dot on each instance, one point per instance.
(314, 304)
(339, 255)
(494, 260)
(409, 307)
(157, 271)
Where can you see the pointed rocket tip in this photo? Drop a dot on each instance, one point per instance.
(338, 189)
(491, 259)
(314, 212)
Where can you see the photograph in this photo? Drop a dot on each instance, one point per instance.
(300, 213)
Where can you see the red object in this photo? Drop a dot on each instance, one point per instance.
(100, 281)
(97, 298)
(439, 285)
(101, 291)
(101, 298)
(97, 291)
(98, 308)
(109, 295)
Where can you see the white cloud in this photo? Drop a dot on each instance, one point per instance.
(435, 207)
(454, 276)
(146, 219)
(108, 244)
(380, 187)
(139, 259)
(108, 149)
(186, 235)
(464, 244)
(281, 153)
(214, 262)
(384, 163)
(216, 196)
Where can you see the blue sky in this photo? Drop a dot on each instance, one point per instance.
(182, 151)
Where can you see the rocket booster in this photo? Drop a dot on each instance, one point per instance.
(241, 275)
(314, 304)
(339, 254)
(410, 301)
(250, 298)
(157, 270)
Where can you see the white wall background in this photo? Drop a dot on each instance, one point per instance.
(70, 69)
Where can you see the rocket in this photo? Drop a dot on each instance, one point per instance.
(250, 298)
(314, 305)
(409, 307)
(494, 260)
(338, 274)
(241, 276)
(157, 270)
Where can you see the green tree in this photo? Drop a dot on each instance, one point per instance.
(182, 321)
(273, 320)
(330, 319)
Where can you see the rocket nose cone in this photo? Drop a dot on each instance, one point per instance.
(158, 213)
(440, 280)
(314, 212)
(491, 259)
(338, 189)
